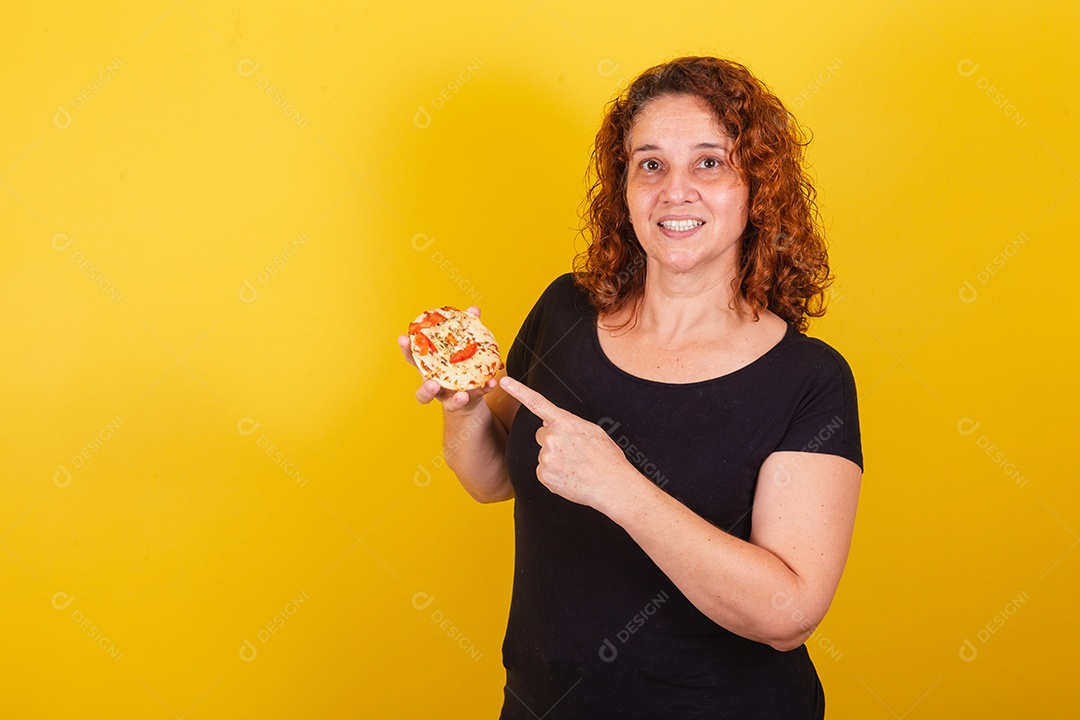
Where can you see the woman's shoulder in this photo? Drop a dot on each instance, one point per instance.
(563, 293)
(815, 354)
(557, 310)
(564, 285)
(561, 299)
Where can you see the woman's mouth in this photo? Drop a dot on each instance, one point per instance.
(680, 226)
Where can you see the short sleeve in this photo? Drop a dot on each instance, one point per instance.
(826, 418)
(526, 346)
(518, 358)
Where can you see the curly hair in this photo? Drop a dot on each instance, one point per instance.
(783, 262)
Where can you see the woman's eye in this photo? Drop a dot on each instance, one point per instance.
(710, 163)
(650, 165)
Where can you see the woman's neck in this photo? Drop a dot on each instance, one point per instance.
(681, 305)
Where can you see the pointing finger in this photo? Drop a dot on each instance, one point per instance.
(540, 405)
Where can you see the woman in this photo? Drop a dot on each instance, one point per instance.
(687, 465)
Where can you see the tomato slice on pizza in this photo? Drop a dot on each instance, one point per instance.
(454, 348)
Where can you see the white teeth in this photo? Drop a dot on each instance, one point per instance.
(681, 225)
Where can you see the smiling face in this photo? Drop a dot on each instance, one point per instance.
(688, 206)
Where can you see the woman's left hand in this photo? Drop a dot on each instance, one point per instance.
(578, 460)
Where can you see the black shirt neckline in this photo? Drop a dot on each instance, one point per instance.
(789, 334)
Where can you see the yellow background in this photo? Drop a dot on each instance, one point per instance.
(211, 217)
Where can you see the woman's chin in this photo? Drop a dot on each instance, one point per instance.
(678, 262)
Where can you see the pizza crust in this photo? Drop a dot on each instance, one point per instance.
(454, 348)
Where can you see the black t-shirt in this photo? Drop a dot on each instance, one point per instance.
(596, 629)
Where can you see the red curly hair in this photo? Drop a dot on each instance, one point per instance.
(783, 262)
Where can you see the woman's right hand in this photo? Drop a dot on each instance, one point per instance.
(452, 401)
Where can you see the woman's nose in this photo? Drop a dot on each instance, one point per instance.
(679, 186)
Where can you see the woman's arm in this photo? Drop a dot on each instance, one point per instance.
(474, 445)
(776, 588)
(475, 426)
(773, 589)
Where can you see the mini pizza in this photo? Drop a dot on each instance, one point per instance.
(454, 348)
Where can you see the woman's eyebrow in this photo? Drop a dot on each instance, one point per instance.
(699, 146)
